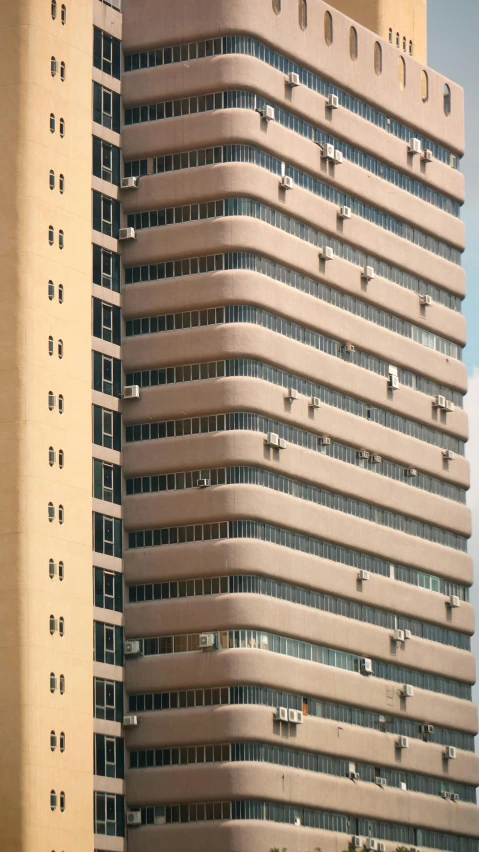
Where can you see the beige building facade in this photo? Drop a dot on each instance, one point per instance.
(235, 581)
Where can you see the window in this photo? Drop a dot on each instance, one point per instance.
(107, 535)
(106, 268)
(52, 123)
(353, 43)
(61, 571)
(54, 9)
(53, 66)
(61, 514)
(61, 459)
(60, 349)
(410, 48)
(64, 14)
(276, 6)
(106, 53)
(62, 72)
(51, 512)
(52, 179)
(303, 14)
(53, 800)
(108, 698)
(404, 43)
(62, 741)
(51, 456)
(378, 58)
(390, 35)
(447, 99)
(51, 568)
(106, 321)
(424, 86)
(53, 682)
(106, 107)
(51, 346)
(53, 625)
(106, 215)
(51, 235)
(106, 374)
(109, 814)
(61, 184)
(53, 740)
(60, 293)
(108, 589)
(61, 240)
(51, 400)
(106, 481)
(62, 127)
(328, 28)
(106, 428)
(61, 406)
(51, 290)
(398, 40)
(106, 161)
(61, 626)
(109, 756)
(107, 643)
(401, 73)
(62, 801)
(62, 684)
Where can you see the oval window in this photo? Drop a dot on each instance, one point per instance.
(328, 28)
(353, 43)
(303, 13)
(401, 73)
(447, 100)
(277, 7)
(378, 58)
(424, 86)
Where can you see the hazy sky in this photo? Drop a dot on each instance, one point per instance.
(453, 51)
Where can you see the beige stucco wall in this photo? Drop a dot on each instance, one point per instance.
(407, 17)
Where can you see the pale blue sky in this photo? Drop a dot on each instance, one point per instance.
(453, 51)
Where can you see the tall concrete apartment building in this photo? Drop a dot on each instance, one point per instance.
(234, 581)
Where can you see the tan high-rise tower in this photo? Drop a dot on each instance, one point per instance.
(233, 431)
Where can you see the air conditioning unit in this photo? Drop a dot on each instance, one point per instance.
(402, 785)
(333, 102)
(344, 213)
(355, 776)
(325, 442)
(297, 821)
(131, 392)
(371, 844)
(293, 79)
(328, 151)
(203, 483)
(363, 575)
(282, 444)
(449, 405)
(295, 717)
(130, 721)
(356, 842)
(407, 691)
(445, 794)
(455, 797)
(381, 782)
(133, 818)
(130, 182)
(127, 234)
(407, 634)
(453, 602)
(363, 454)
(365, 666)
(411, 472)
(449, 455)
(286, 182)
(376, 459)
(272, 439)
(397, 636)
(132, 648)
(393, 382)
(429, 729)
(425, 300)
(415, 146)
(267, 112)
(281, 714)
(368, 273)
(439, 402)
(291, 394)
(338, 157)
(381, 847)
(315, 402)
(427, 155)
(402, 742)
(207, 640)
(326, 253)
(349, 348)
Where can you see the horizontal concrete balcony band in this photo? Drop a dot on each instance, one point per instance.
(244, 666)
(220, 558)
